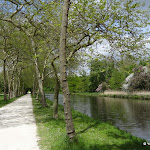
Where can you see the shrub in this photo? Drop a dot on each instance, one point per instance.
(140, 80)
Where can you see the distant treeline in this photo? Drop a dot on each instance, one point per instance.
(103, 70)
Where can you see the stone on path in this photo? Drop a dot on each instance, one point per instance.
(17, 125)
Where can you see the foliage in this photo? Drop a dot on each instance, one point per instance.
(78, 83)
(49, 84)
(117, 79)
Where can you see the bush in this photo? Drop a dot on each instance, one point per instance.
(140, 80)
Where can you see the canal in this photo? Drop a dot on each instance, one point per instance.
(126, 114)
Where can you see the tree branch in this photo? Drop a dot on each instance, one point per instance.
(89, 42)
(17, 10)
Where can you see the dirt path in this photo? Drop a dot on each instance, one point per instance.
(17, 125)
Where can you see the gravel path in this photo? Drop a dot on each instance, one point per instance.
(17, 125)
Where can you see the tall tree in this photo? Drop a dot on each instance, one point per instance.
(63, 73)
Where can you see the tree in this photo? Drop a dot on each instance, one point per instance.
(100, 71)
(63, 73)
(56, 92)
(117, 79)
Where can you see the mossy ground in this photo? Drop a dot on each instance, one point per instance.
(91, 134)
(3, 103)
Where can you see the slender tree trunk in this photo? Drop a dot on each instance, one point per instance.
(9, 86)
(56, 94)
(33, 89)
(4, 70)
(18, 82)
(37, 95)
(41, 90)
(39, 78)
(34, 86)
(22, 90)
(18, 90)
(63, 74)
(16, 87)
(13, 87)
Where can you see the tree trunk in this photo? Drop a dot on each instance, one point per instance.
(56, 94)
(33, 89)
(37, 95)
(22, 90)
(13, 87)
(9, 85)
(39, 78)
(34, 85)
(41, 89)
(63, 74)
(55, 105)
(18, 90)
(4, 70)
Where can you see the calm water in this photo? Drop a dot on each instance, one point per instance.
(129, 115)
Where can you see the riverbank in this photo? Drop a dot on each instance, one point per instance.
(119, 94)
(3, 103)
(91, 134)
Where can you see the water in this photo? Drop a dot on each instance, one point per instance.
(127, 114)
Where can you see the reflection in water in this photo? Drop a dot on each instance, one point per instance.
(129, 115)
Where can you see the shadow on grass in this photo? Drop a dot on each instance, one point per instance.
(89, 127)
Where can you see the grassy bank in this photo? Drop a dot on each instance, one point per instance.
(91, 134)
(3, 103)
(127, 96)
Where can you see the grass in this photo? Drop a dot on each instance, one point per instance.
(3, 103)
(91, 134)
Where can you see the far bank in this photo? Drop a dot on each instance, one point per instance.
(120, 94)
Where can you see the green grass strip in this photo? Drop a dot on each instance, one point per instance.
(3, 103)
(91, 134)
